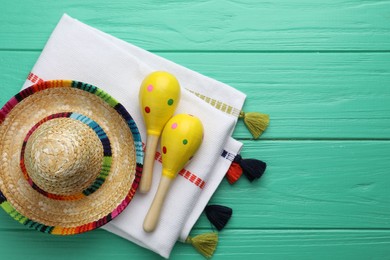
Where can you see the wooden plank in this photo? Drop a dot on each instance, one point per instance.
(254, 25)
(311, 184)
(97, 244)
(251, 244)
(320, 69)
(308, 184)
(308, 244)
(308, 96)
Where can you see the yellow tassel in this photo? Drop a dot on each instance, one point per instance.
(255, 122)
(204, 243)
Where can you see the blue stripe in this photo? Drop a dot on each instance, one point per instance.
(92, 124)
(228, 156)
(106, 146)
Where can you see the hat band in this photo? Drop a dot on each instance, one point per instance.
(106, 164)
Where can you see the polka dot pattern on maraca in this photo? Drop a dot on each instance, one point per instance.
(181, 138)
(152, 91)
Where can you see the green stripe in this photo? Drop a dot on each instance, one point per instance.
(218, 104)
(105, 170)
(13, 213)
(83, 86)
(107, 162)
(106, 97)
(106, 167)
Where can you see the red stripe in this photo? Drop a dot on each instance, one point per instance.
(184, 173)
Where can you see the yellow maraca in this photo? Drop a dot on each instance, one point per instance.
(180, 139)
(159, 96)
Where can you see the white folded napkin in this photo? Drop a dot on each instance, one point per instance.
(79, 52)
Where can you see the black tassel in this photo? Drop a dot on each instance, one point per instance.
(2, 198)
(252, 168)
(218, 215)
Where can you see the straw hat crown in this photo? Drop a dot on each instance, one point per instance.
(63, 156)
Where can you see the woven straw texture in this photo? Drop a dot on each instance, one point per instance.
(64, 156)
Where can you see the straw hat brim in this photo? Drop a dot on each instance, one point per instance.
(66, 216)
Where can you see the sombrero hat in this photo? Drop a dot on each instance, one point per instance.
(71, 157)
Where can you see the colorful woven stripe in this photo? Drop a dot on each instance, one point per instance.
(20, 218)
(134, 130)
(42, 85)
(106, 165)
(88, 88)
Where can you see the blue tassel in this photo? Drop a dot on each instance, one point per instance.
(218, 215)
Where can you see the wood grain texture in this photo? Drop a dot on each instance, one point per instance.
(308, 184)
(309, 96)
(233, 244)
(321, 70)
(250, 25)
(312, 184)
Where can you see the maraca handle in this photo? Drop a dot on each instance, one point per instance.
(147, 172)
(153, 215)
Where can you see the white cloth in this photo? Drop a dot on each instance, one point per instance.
(79, 52)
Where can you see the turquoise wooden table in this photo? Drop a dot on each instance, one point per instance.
(321, 69)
